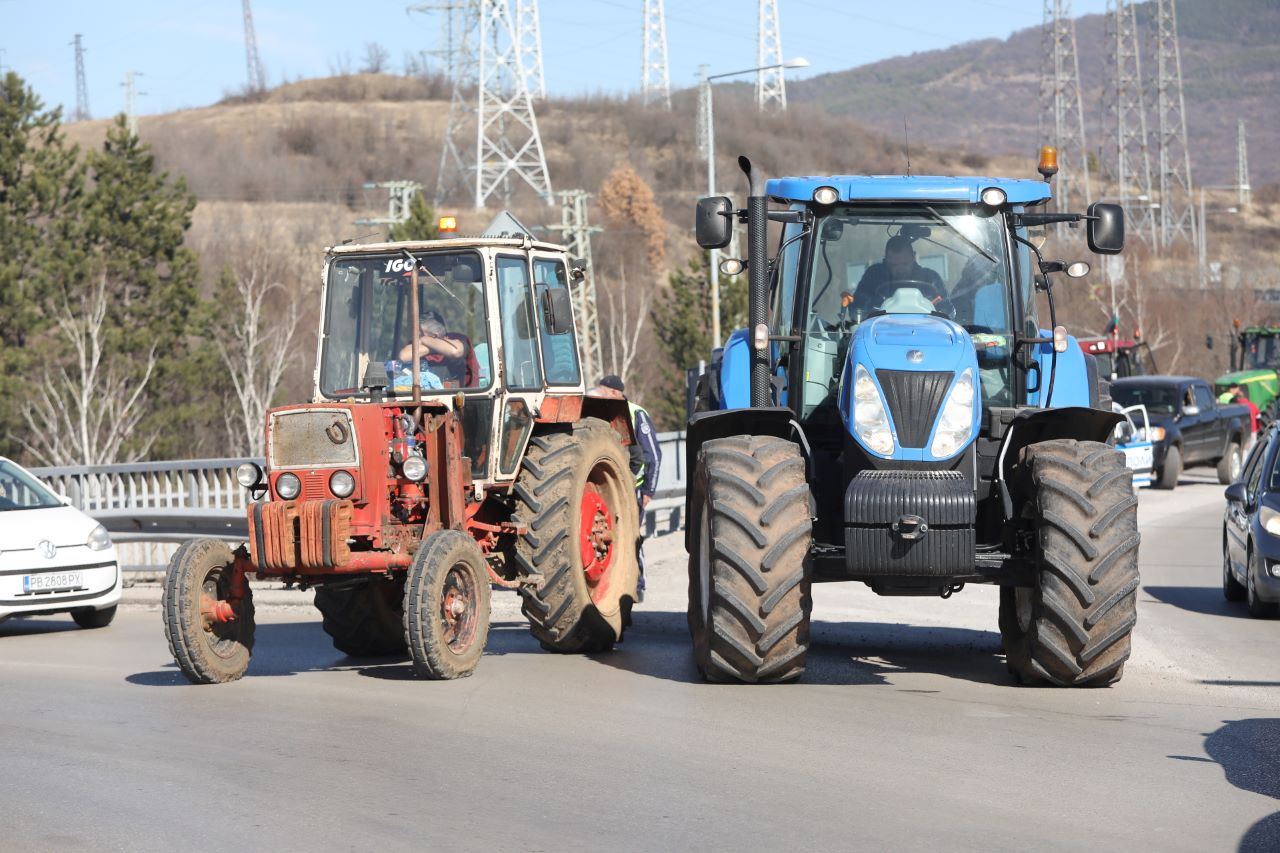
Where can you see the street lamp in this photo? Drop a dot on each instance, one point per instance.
(708, 132)
(1204, 240)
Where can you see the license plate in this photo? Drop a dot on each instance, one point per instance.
(52, 581)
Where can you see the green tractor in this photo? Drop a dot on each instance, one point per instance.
(1255, 362)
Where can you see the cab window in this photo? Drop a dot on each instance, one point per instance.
(519, 344)
(559, 352)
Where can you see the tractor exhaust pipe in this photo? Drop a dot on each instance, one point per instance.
(758, 285)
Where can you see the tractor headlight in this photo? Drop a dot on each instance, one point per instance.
(99, 539)
(288, 486)
(870, 419)
(826, 195)
(955, 426)
(342, 484)
(248, 474)
(1270, 520)
(414, 467)
(993, 197)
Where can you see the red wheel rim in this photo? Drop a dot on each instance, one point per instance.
(596, 534)
(459, 601)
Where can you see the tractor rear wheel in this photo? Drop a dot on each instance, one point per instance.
(211, 639)
(749, 572)
(1073, 627)
(577, 504)
(365, 620)
(446, 606)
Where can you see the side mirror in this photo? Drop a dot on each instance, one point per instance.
(713, 224)
(1190, 411)
(1124, 432)
(1235, 493)
(1105, 233)
(557, 311)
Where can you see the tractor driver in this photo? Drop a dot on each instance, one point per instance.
(898, 269)
(449, 355)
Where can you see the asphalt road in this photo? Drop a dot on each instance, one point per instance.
(906, 733)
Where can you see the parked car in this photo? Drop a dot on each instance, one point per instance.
(1251, 531)
(1188, 425)
(1132, 440)
(53, 557)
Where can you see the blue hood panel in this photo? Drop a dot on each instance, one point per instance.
(914, 330)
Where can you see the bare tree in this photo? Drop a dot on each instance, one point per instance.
(96, 398)
(626, 317)
(256, 335)
(376, 58)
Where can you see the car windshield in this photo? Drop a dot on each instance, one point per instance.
(1261, 352)
(1159, 399)
(20, 490)
(368, 321)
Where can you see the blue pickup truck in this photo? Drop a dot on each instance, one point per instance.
(1188, 425)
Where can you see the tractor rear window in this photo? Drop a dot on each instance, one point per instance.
(368, 321)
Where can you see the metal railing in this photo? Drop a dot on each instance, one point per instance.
(148, 506)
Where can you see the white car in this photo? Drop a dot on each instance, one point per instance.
(53, 557)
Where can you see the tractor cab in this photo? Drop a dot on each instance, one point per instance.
(1118, 358)
(1255, 364)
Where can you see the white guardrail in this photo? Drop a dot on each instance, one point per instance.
(151, 507)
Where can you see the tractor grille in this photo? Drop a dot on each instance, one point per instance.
(312, 438)
(914, 397)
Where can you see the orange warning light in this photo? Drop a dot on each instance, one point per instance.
(1048, 166)
(447, 225)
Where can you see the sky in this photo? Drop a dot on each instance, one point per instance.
(191, 53)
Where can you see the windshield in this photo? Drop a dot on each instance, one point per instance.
(368, 321)
(1159, 400)
(20, 490)
(948, 260)
(1261, 352)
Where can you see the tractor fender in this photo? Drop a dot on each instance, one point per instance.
(1032, 426)
(705, 426)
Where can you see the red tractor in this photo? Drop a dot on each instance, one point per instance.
(403, 495)
(1118, 358)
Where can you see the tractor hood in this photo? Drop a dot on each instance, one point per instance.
(924, 372)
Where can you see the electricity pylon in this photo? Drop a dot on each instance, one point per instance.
(577, 239)
(771, 85)
(529, 37)
(655, 83)
(1128, 105)
(257, 78)
(82, 88)
(1062, 111)
(1177, 204)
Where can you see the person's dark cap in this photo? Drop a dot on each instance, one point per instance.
(612, 381)
(898, 244)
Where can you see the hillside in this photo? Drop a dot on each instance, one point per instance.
(984, 96)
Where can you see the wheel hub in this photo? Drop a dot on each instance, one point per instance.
(595, 534)
(458, 609)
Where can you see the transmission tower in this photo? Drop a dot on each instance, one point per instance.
(458, 59)
(1133, 158)
(82, 88)
(529, 38)
(131, 101)
(257, 78)
(1242, 165)
(1062, 111)
(399, 197)
(655, 83)
(771, 86)
(1177, 205)
(577, 238)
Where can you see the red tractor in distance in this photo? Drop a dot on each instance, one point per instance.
(1118, 358)
(449, 447)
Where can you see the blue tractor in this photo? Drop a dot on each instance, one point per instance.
(895, 414)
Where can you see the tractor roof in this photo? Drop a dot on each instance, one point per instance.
(903, 188)
(453, 243)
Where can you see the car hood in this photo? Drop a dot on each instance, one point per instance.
(21, 529)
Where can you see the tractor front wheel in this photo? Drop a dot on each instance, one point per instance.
(365, 620)
(446, 606)
(749, 571)
(210, 631)
(1073, 627)
(577, 505)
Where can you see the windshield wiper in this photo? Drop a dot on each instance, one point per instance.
(423, 268)
(963, 236)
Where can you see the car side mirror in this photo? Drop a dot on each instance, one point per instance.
(1124, 432)
(557, 311)
(1105, 233)
(713, 225)
(1235, 493)
(1190, 411)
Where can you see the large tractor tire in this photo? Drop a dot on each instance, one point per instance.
(446, 606)
(1073, 628)
(208, 650)
(1171, 470)
(749, 569)
(1229, 464)
(577, 504)
(365, 620)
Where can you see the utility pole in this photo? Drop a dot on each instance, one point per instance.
(1133, 160)
(399, 197)
(458, 58)
(655, 84)
(577, 239)
(131, 101)
(771, 85)
(1062, 111)
(1177, 206)
(82, 88)
(256, 77)
(1242, 166)
(529, 39)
